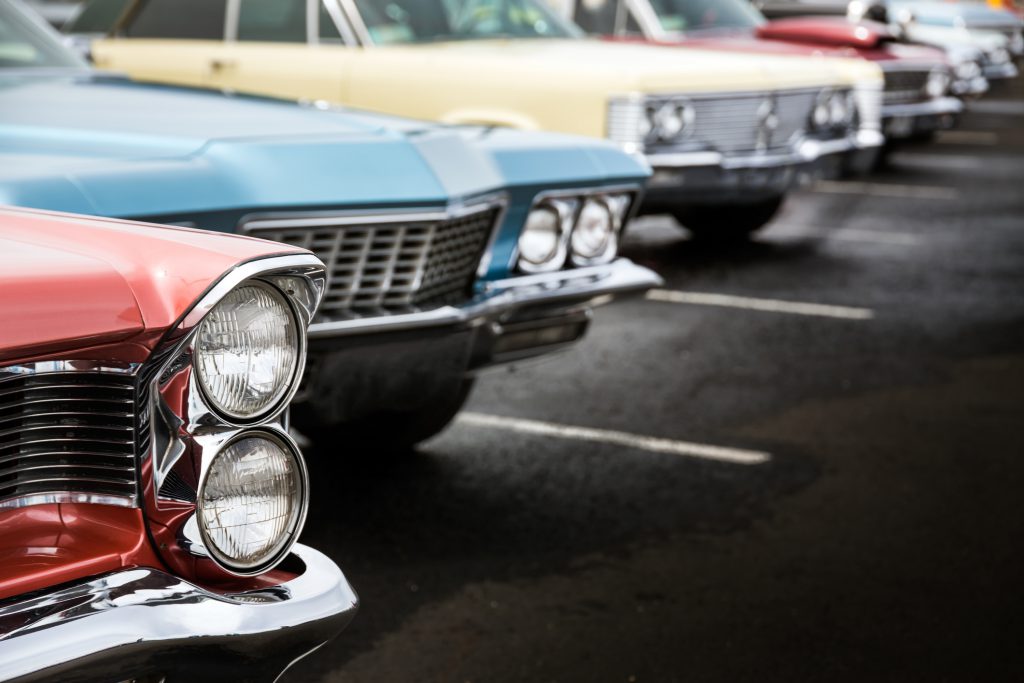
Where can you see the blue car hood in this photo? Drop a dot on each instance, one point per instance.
(99, 144)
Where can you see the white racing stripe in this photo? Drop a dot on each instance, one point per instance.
(765, 305)
(735, 456)
(885, 189)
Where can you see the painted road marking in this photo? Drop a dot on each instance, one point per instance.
(765, 305)
(735, 456)
(898, 239)
(885, 189)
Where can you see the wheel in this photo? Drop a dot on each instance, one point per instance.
(727, 224)
(385, 432)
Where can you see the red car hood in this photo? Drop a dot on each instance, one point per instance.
(834, 31)
(75, 283)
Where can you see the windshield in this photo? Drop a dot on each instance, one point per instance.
(687, 16)
(393, 22)
(25, 43)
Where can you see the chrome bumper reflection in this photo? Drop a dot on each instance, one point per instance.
(937, 107)
(805, 151)
(138, 622)
(502, 298)
(996, 72)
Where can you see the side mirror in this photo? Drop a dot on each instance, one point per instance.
(859, 10)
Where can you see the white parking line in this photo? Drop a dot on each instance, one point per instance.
(765, 305)
(735, 456)
(885, 189)
(898, 239)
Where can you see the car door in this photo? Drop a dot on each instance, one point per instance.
(171, 41)
(288, 48)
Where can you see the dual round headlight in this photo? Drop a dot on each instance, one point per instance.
(252, 502)
(833, 110)
(667, 121)
(584, 231)
(247, 352)
(937, 84)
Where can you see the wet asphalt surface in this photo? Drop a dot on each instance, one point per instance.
(882, 540)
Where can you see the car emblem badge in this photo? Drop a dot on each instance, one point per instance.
(767, 123)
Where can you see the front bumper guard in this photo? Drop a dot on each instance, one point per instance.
(999, 72)
(906, 120)
(501, 300)
(144, 622)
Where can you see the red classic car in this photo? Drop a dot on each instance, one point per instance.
(150, 495)
(921, 84)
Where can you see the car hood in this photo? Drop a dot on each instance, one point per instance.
(802, 37)
(100, 144)
(834, 31)
(75, 283)
(613, 68)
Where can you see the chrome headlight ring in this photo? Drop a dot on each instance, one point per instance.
(193, 464)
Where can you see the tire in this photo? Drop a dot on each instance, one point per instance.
(725, 224)
(386, 432)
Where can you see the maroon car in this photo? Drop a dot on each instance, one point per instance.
(150, 495)
(921, 85)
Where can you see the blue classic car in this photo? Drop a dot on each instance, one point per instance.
(448, 248)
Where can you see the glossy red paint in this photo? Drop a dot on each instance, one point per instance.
(46, 545)
(74, 282)
(805, 42)
(834, 31)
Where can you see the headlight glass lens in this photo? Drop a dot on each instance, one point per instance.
(821, 114)
(666, 121)
(837, 109)
(247, 351)
(937, 84)
(594, 230)
(541, 239)
(999, 56)
(251, 503)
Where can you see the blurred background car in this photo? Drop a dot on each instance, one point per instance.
(448, 249)
(940, 30)
(128, 548)
(919, 81)
(727, 136)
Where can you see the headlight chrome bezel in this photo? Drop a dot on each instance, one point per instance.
(280, 398)
(281, 549)
(569, 205)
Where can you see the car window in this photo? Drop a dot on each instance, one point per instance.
(412, 21)
(98, 16)
(281, 21)
(188, 19)
(678, 16)
(598, 17)
(328, 29)
(24, 43)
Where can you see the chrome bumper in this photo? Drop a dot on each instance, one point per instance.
(907, 120)
(996, 72)
(501, 299)
(713, 178)
(145, 622)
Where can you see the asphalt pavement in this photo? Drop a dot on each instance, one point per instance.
(803, 460)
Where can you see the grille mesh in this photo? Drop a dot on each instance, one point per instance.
(905, 86)
(392, 267)
(727, 124)
(67, 433)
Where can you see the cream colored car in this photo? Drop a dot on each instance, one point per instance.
(727, 135)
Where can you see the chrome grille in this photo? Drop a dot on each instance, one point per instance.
(66, 437)
(387, 265)
(724, 123)
(904, 86)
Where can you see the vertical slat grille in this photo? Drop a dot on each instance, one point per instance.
(728, 124)
(383, 268)
(69, 436)
(904, 86)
